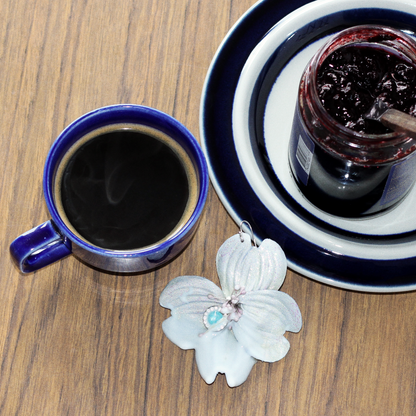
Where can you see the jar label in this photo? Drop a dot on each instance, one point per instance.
(400, 179)
(304, 155)
(301, 150)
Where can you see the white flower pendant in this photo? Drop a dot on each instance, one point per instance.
(232, 328)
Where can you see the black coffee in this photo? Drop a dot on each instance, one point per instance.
(124, 190)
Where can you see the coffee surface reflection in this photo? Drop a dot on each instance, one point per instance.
(124, 188)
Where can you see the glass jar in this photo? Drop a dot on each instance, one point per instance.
(342, 171)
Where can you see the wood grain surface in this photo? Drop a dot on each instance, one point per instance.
(77, 341)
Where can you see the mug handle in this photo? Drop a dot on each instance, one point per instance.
(39, 247)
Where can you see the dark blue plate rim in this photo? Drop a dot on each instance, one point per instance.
(237, 195)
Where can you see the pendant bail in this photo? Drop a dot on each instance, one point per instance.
(251, 232)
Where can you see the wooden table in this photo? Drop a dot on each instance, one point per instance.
(77, 341)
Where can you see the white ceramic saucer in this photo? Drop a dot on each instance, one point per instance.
(249, 166)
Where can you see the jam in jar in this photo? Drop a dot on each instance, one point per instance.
(344, 163)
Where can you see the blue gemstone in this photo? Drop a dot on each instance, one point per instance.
(213, 317)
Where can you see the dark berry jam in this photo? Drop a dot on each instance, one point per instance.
(354, 76)
(344, 164)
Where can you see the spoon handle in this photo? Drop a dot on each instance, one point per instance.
(398, 121)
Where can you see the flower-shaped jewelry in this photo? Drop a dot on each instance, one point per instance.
(232, 328)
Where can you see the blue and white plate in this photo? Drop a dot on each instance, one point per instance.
(246, 117)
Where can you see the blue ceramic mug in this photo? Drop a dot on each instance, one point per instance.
(125, 186)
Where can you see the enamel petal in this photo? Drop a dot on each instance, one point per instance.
(230, 254)
(267, 315)
(215, 352)
(190, 295)
(254, 268)
(221, 353)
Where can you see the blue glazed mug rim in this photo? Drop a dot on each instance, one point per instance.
(147, 115)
